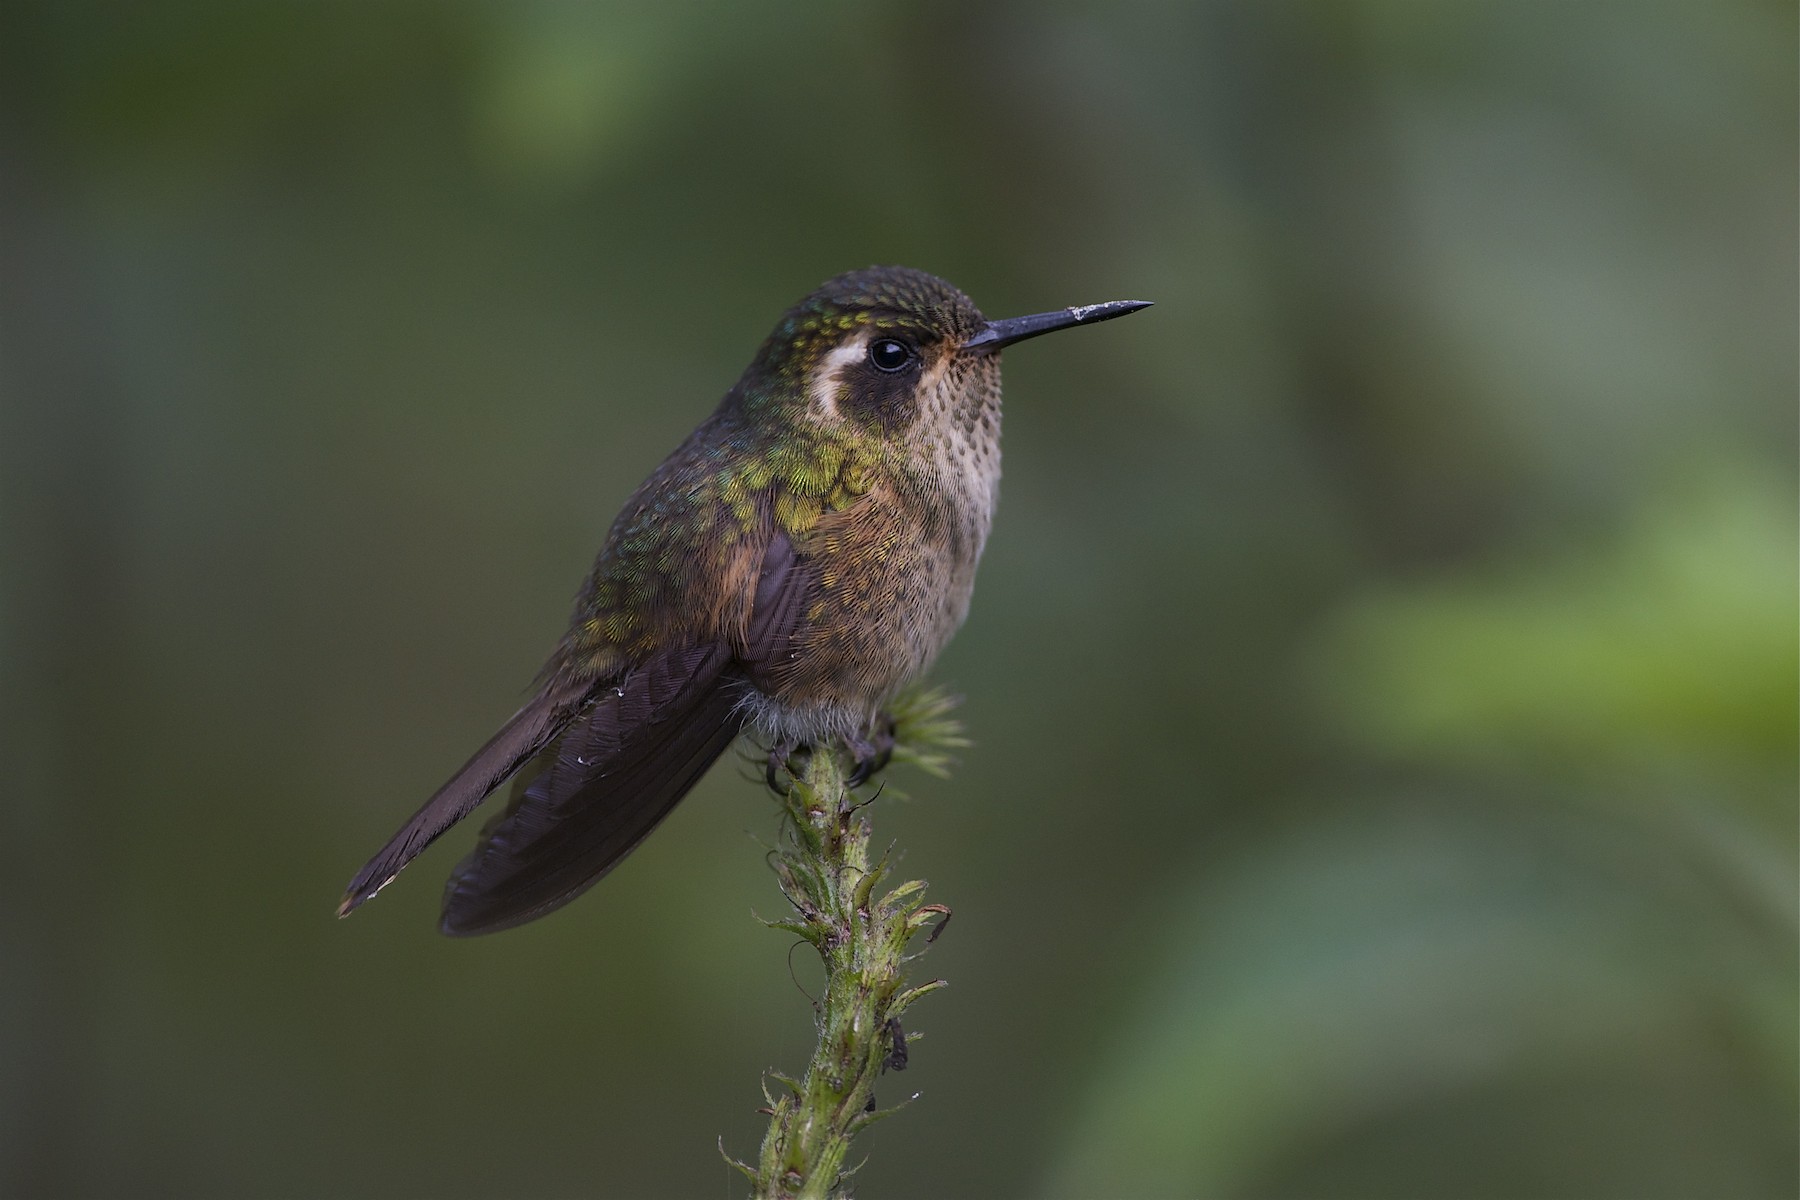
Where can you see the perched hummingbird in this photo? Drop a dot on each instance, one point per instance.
(803, 555)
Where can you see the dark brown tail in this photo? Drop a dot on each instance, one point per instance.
(522, 738)
(609, 780)
(607, 764)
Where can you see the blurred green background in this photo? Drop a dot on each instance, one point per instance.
(1382, 674)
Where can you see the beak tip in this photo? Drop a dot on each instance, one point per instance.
(1017, 329)
(1088, 313)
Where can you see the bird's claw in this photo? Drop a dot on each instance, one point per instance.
(779, 754)
(872, 752)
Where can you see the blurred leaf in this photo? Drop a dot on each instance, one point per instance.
(1331, 1007)
(1678, 636)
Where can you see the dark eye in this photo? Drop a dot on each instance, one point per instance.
(889, 355)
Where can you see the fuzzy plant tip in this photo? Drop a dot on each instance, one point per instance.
(865, 929)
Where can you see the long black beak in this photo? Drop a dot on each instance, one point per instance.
(1017, 329)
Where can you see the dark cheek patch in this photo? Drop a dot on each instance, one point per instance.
(889, 402)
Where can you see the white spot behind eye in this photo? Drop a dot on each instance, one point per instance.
(821, 390)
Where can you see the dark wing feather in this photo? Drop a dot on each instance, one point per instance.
(531, 729)
(784, 590)
(611, 779)
(619, 770)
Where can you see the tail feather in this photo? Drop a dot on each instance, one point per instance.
(523, 737)
(598, 766)
(599, 791)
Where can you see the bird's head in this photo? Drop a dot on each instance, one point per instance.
(887, 348)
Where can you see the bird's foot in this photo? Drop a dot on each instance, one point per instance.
(780, 755)
(872, 752)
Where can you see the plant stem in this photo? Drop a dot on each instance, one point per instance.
(861, 932)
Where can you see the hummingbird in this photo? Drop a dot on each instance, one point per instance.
(800, 558)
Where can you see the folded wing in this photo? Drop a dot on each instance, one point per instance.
(607, 782)
(624, 764)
